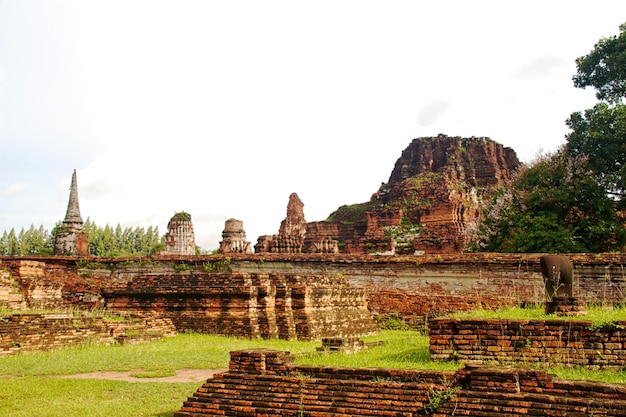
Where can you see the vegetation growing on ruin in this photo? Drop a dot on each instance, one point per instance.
(352, 213)
(181, 216)
(598, 315)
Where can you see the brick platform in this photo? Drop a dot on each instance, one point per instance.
(564, 342)
(266, 383)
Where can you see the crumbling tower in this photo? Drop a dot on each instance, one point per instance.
(234, 238)
(70, 237)
(180, 239)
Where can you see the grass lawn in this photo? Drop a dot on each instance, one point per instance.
(54, 397)
(29, 383)
(29, 386)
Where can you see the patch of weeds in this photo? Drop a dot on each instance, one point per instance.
(528, 343)
(438, 397)
(382, 379)
(87, 264)
(605, 326)
(217, 266)
(393, 321)
(181, 267)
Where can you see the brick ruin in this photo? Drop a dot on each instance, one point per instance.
(429, 204)
(431, 199)
(266, 382)
(234, 238)
(296, 235)
(568, 343)
(36, 332)
(204, 294)
(416, 288)
(266, 305)
(70, 238)
(180, 239)
(312, 296)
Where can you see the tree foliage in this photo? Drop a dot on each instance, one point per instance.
(599, 134)
(31, 241)
(103, 241)
(553, 206)
(603, 68)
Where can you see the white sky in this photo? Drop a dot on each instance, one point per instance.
(224, 108)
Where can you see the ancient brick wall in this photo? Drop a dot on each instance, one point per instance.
(544, 342)
(265, 382)
(413, 286)
(30, 332)
(434, 285)
(247, 304)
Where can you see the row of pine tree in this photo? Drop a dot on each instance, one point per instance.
(104, 241)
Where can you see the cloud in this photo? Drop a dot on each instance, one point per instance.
(15, 188)
(540, 67)
(428, 114)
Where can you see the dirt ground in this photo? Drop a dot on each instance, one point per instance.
(184, 375)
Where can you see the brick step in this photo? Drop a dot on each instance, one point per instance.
(492, 404)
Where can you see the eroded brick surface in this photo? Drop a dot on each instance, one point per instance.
(266, 383)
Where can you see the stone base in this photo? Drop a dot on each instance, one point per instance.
(566, 306)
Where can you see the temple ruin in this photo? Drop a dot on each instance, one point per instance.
(70, 238)
(293, 235)
(234, 238)
(180, 239)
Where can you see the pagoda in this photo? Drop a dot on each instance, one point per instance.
(70, 238)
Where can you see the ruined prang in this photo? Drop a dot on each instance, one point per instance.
(234, 238)
(293, 236)
(70, 237)
(180, 239)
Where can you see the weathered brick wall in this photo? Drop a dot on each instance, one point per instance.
(494, 392)
(30, 332)
(435, 285)
(265, 382)
(549, 342)
(413, 286)
(248, 304)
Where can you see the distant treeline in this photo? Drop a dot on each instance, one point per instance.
(103, 241)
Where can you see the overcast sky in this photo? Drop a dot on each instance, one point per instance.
(223, 109)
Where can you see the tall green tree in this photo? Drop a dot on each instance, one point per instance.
(107, 241)
(599, 133)
(604, 68)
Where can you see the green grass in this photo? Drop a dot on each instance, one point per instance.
(598, 315)
(403, 349)
(29, 385)
(184, 351)
(53, 397)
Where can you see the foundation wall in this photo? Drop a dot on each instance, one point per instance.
(34, 332)
(416, 287)
(540, 342)
(262, 382)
